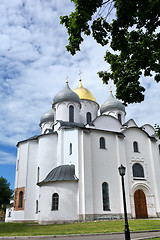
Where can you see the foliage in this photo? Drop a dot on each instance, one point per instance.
(29, 229)
(5, 193)
(157, 130)
(132, 36)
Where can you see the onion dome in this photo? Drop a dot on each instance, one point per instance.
(111, 104)
(84, 93)
(48, 116)
(66, 95)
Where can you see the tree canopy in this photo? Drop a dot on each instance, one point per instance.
(5, 192)
(132, 38)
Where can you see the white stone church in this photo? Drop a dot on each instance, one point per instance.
(70, 171)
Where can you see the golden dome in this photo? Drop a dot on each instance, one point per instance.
(84, 93)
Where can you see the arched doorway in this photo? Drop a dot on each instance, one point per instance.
(140, 204)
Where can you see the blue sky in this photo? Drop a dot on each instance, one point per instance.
(34, 65)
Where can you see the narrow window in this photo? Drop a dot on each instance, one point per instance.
(105, 195)
(38, 171)
(71, 113)
(138, 170)
(119, 118)
(21, 199)
(159, 148)
(70, 148)
(89, 117)
(135, 146)
(102, 143)
(55, 201)
(36, 206)
(17, 164)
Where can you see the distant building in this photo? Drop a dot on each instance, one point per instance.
(70, 171)
(2, 215)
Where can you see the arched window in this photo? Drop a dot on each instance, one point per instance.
(71, 113)
(36, 206)
(55, 201)
(89, 117)
(17, 164)
(138, 170)
(70, 148)
(105, 195)
(102, 143)
(119, 118)
(20, 199)
(135, 146)
(38, 172)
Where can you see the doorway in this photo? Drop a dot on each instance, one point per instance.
(140, 204)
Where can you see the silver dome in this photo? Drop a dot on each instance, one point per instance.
(66, 95)
(48, 116)
(112, 103)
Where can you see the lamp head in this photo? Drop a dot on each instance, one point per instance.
(122, 170)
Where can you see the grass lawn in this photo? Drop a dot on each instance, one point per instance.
(26, 229)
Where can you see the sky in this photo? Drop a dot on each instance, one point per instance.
(34, 65)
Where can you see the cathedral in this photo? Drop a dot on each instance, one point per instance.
(70, 171)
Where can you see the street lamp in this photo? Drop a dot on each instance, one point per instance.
(122, 170)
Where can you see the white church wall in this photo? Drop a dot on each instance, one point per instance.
(67, 210)
(121, 159)
(18, 216)
(131, 123)
(143, 157)
(155, 159)
(47, 154)
(62, 111)
(88, 106)
(115, 113)
(70, 148)
(104, 167)
(21, 164)
(149, 129)
(86, 211)
(46, 126)
(107, 123)
(31, 188)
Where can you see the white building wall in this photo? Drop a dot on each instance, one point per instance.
(21, 165)
(45, 126)
(115, 113)
(88, 106)
(108, 123)
(86, 201)
(98, 166)
(31, 188)
(47, 155)
(70, 148)
(142, 157)
(67, 191)
(155, 162)
(62, 111)
(105, 169)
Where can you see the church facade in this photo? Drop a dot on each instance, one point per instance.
(70, 171)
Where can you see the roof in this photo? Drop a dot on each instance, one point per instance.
(84, 93)
(70, 124)
(112, 103)
(60, 173)
(66, 95)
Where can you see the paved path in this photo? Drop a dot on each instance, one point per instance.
(108, 236)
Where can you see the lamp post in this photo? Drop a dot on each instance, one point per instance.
(122, 170)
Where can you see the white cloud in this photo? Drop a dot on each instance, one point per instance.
(34, 65)
(6, 158)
